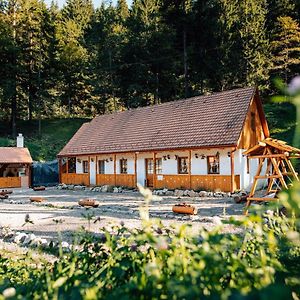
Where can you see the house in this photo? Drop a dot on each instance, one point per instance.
(15, 165)
(195, 143)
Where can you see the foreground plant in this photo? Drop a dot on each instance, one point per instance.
(172, 263)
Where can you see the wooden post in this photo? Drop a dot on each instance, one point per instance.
(135, 167)
(67, 165)
(59, 170)
(115, 169)
(89, 170)
(190, 168)
(154, 169)
(232, 182)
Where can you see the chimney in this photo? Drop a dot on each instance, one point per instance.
(20, 141)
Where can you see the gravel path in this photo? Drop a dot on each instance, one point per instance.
(62, 205)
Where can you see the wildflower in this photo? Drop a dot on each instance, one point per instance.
(162, 244)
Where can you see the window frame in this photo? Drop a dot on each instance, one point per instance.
(71, 170)
(100, 170)
(85, 167)
(209, 164)
(179, 165)
(123, 166)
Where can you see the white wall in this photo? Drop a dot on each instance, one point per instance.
(92, 166)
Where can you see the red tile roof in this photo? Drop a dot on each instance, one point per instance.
(202, 121)
(15, 155)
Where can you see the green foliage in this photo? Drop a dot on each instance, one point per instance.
(156, 262)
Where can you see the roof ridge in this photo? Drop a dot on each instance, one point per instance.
(173, 102)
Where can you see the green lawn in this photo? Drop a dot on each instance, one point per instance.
(56, 132)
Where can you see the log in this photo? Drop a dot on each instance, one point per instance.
(36, 199)
(239, 199)
(39, 188)
(183, 208)
(5, 192)
(88, 203)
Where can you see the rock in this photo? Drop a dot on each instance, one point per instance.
(165, 190)
(107, 189)
(217, 220)
(20, 237)
(70, 187)
(169, 193)
(78, 187)
(192, 194)
(178, 193)
(29, 238)
(120, 189)
(202, 194)
(115, 190)
(186, 193)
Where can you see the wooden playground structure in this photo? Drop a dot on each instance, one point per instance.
(275, 168)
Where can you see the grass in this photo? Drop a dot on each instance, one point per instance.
(57, 132)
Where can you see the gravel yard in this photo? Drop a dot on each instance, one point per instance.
(62, 205)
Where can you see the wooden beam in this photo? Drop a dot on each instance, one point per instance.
(290, 165)
(190, 168)
(232, 187)
(268, 156)
(115, 169)
(267, 176)
(260, 199)
(154, 169)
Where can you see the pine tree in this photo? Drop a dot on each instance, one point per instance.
(286, 48)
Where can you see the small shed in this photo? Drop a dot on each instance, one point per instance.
(15, 167)
(274, 167)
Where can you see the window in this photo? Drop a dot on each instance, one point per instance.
(85, 166)
(123, 166)
(158, 166)
(101, 166)
(182, 165)
(72, 165)
(213, 165)
(150, 166)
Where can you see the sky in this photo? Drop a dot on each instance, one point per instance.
(96, 2)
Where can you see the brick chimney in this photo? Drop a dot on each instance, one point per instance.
(20, 141)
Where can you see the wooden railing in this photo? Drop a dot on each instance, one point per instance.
(72, 178)
(198, 182)
(10, 182)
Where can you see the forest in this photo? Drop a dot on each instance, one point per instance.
(79, 61)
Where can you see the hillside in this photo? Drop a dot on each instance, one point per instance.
(57, 132)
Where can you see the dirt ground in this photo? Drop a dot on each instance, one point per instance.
(62, 205)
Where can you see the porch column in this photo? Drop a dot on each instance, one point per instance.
(135, 169)
(89, 169)
(154, 169)
(232, 186)
(59, 170)
(115, 169)
(190, 168)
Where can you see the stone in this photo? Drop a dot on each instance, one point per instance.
(178, 193)
(78, 187)
(217, 220)
(107, 189)
(20, 237)
(169, 193)
(192, 194)
(186, 193)
(202, 194)
(71, 187)
(65, 245)
(115, 190)
(165, 190)
(29, 238)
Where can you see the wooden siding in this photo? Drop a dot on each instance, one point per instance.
(198, 182)
(250, 137)
(10, 182)
(72, 178)
(125, 180)
(103, 179)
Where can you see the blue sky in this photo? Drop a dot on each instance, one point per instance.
(96, 2)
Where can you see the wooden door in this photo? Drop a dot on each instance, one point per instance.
(149, 172)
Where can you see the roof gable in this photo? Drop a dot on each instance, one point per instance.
(202, 121)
